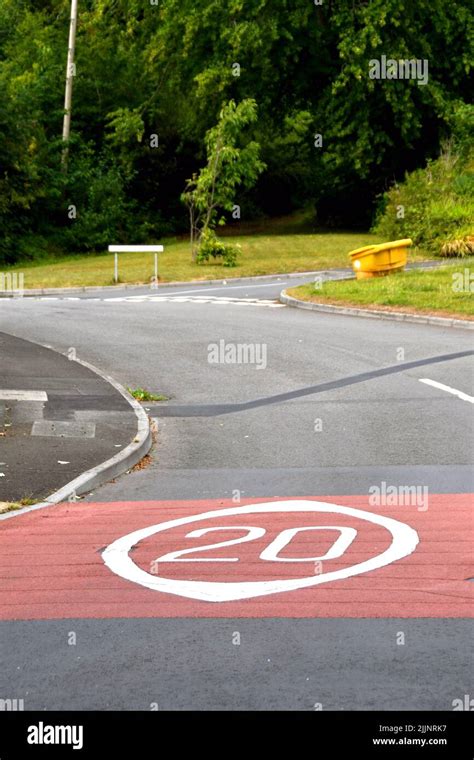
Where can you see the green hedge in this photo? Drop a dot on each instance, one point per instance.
(435, 205)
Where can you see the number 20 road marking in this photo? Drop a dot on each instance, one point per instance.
(342, 542)
(117, 559)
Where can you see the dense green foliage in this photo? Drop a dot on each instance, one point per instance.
(435, 205)
(152, 79)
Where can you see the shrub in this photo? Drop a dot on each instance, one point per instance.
(434, 205)
(210, 245)
(458, 247)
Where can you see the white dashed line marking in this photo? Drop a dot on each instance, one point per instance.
(225, 300)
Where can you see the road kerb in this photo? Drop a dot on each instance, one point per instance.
(111, 468)
(396, 316)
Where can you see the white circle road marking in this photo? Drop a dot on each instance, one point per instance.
(116, 557)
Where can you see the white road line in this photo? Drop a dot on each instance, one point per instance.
(215, 300)
(448, 389)
(208, 289)
(23, 395)
(172, 298)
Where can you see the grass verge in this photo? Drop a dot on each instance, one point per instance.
(288, 244)
(12, 506)
(441, 292)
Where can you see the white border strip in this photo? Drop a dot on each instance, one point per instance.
(111, 468)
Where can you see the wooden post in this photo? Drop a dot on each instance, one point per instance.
(69, 80)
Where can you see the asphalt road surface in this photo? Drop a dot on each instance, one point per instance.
(337, 485)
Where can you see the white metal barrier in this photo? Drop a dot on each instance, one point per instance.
(116, 249)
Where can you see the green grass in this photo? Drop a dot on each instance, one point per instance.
(143, 395)
(12, 506)
(8, 507)
(289, 244)
(428, 292)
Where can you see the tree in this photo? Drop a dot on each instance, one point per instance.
(228, 167)
(151, 79)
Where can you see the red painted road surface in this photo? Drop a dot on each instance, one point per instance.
(51, 563)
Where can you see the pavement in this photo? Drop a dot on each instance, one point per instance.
(57, 419)
(327, 489)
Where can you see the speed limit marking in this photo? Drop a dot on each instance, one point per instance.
(403, 541)
(320, 556)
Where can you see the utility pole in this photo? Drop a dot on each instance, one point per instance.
(70, 73)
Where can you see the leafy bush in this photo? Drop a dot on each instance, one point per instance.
(435, 205)
(210, 245)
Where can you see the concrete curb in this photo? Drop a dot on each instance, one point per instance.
(111, 468)
(396, 316)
